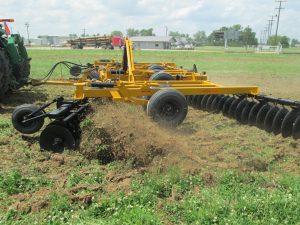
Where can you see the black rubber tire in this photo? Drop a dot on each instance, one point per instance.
(198, 103)
(261, 116)
(296, 129)
(209, 103)
(168, 107)
(161, 76)
(215, 102)
(105, 60)
(253, 113)
(194, 100)
(6, 74)
(233, 107)
(246, 112)
(30, 127)
(156, 67)
(288, 123)
(270, 118)
(52, 134)
(239, 109)
(204, 101)
(278, 119)
(21, 73)
(227, 105)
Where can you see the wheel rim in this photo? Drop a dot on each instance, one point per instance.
(169, 110)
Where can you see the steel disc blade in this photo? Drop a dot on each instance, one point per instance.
(253, 113)
(233, 107)
(57, 138)
(221, 103)
(189, 99)
(194, 100)
(204, 101)
(296, 128)
(199, 100)
(261, 116)
(215, 102)
(239, 110)
(270, 118)
(246, 112)
(227, 105)
(288, 122)
(209, 103)
(277, 122)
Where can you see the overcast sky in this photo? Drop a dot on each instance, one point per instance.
(62, 17)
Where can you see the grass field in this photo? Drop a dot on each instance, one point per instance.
(209, 170)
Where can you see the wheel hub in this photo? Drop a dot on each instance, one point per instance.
(169, 110)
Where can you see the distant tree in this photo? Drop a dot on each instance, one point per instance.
(295, 42)
(147, 32)
(116, 33)
(236, 27)
(248, 37)
(200, 38)
(177, 34)
(131, 32)
(283, 40)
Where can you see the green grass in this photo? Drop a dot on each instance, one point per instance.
(234, 198)
(215, 63)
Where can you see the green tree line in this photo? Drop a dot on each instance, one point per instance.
(247, 37)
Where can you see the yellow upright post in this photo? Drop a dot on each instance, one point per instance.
(130, 60)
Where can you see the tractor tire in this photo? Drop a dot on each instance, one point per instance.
(161, 76)
(168, 107)
(156, 67)
(6, 76)
(21, 73)
(30, 127)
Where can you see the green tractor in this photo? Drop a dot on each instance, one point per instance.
(14, 61)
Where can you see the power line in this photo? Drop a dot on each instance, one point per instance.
(278, 17)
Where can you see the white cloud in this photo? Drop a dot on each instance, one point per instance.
(56, 17)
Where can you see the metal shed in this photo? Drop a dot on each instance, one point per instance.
(152, 42)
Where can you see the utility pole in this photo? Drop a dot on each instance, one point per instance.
(278, 17)
(271, 25)
(265, 35)
(27, 28)
(268, 30)
(84, 30)
(166, 31)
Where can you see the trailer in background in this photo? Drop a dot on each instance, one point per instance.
(104, 42)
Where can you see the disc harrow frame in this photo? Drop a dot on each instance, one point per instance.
(163, 89)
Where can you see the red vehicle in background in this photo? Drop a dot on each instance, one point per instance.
(117, 41)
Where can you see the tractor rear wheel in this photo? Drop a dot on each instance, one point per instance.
(6, 76)
(168, 107)
(21, 73)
